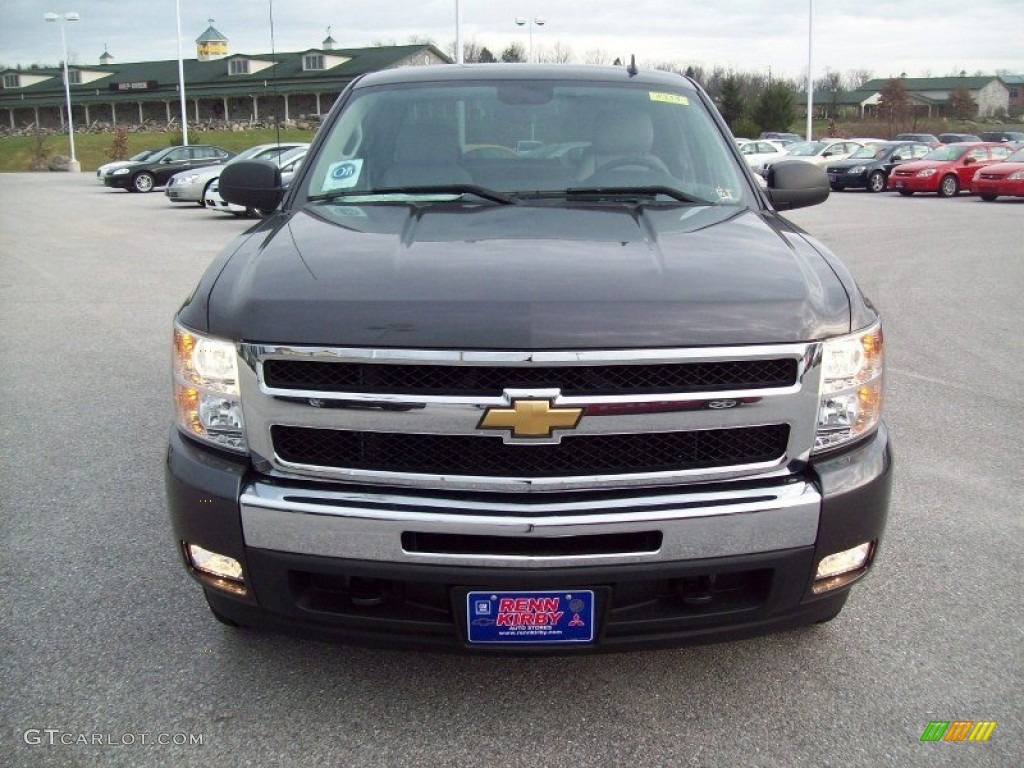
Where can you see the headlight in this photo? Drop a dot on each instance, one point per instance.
(926, 173)
(977, 175)
(851, 388)
(207, 403)
(1015, 176)
(192, 178)
(856, 169)
(120, 172)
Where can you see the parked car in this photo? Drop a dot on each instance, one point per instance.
(289, 162)
(819, 153)
(762, 151)
(946, 170)
(928, 138)
(192, 185)
(1002, 136)
(958, 138)
(869, 167)
(107, 168)
(154, 171)
(781, 137)
(1005, 178)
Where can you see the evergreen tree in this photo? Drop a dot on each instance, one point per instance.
(775, 110)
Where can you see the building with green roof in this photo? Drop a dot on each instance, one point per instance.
(232, 88)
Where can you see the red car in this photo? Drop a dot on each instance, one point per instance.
(946, 170)
(1005, 178)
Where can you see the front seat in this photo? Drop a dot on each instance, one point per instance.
(621, 137)
(426, 154)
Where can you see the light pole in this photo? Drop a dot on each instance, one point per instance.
(520, 21)
(73, 165)
(810, 67)
(181, 78)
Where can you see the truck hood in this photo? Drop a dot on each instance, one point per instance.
(526, 277)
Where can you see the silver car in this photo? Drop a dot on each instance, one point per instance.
(194, 185)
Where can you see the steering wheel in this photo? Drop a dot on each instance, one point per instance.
(650, 163)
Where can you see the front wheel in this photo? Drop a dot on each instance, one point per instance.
(876, 182)
(988, 198)
(949, 186)
(144, 182)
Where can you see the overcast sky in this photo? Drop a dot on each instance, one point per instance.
(887, 37)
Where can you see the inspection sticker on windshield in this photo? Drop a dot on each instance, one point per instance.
(343, 175)
(530, 617)
(670, 98)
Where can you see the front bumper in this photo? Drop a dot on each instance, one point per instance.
(914, 183)
(1000, 187)
(689, 565)
(118, 182)
(185, 193)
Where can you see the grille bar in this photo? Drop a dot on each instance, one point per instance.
(486, 456)
(484, 381)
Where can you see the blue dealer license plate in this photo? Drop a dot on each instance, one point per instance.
(530, 617)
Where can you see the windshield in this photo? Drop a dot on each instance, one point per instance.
(869, 152)
(951, 152)
(805, 148)
(545, 139)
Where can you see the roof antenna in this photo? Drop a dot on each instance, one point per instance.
(631, 70)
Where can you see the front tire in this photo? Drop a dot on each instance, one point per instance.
(144, 182)
(988, 198)
(206, 192)
(949, 186)
(876, 182)
(906, 192)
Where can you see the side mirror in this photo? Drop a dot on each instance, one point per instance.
(253, 184)
(970, 160)
(795, 184)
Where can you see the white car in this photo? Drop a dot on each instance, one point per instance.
(107, 168)
(757, 152)
(820, 153)
(192, 186)
(289, 163)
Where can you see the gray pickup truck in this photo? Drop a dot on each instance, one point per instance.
(594, 397)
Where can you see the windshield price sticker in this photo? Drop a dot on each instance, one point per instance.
(669, 98)
(530, 617)
(343, 175)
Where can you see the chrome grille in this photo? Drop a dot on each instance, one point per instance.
(412, 417)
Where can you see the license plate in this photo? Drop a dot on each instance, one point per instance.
(900, 184)
(832, 177)
(520, 618)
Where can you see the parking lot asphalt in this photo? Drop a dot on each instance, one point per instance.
(111, 658)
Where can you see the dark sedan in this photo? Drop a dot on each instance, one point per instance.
(869, 167)
(155, 170)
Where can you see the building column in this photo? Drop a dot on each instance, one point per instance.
(286, 117)
(167, 105)
(113, 114)
(318, 105)
(36, 110)
(141, 121)
(227, 115)
(255, 109)
(63, 125)
(10, 113)
(197, 110)
(87, 117)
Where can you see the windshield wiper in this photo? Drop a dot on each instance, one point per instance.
(440, 189)
(618, 193)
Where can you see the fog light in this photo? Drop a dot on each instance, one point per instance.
(217, 570)
(841, 568)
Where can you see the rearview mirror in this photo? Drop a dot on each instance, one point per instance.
(796, 184)
(252, 184)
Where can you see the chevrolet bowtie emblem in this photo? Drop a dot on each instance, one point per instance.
(531, 418)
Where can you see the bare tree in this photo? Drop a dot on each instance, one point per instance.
(961, 104)
(557, 53)
(856, 78)
(894, 105)
(599, 56)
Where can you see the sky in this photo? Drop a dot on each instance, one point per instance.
(884, 37)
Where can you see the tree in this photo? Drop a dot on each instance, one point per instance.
(856, 78)
(731, 101)
(486, 57)
(597, 56)
(514, 54)
(894, 105)
(559, 53)
(775, 109)
(961, 104)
